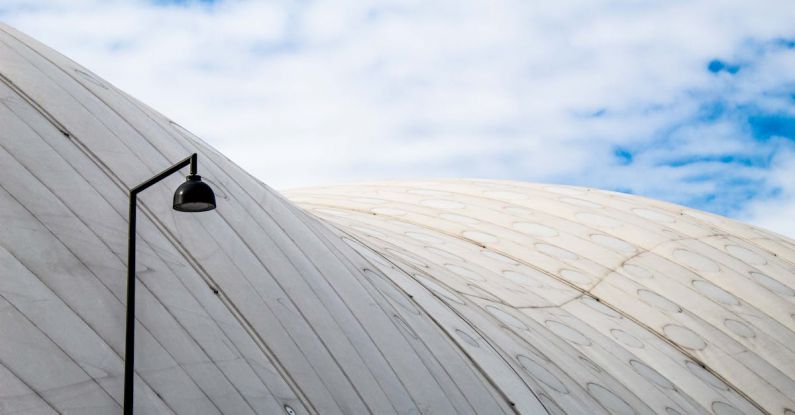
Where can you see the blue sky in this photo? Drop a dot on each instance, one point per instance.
(687, 101)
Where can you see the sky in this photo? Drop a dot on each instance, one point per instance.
(691, 102)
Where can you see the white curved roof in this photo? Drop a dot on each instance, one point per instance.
(423, 297)
(595, 298)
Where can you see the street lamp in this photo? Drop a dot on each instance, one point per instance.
(191, 196)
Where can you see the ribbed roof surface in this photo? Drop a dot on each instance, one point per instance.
(424, 297)
(255, 307)
(595, 299)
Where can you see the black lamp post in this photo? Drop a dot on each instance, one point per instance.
(191, 196)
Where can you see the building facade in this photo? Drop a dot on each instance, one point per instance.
(454, 296)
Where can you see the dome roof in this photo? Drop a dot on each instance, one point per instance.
(454, 296)
(594, 298)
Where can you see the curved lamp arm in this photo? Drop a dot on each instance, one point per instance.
(206, 201)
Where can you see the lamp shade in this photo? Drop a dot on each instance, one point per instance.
(194, 195)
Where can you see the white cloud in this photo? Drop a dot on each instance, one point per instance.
(778, 216)
(305, 93)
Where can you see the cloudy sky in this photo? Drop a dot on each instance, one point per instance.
(687, 101)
